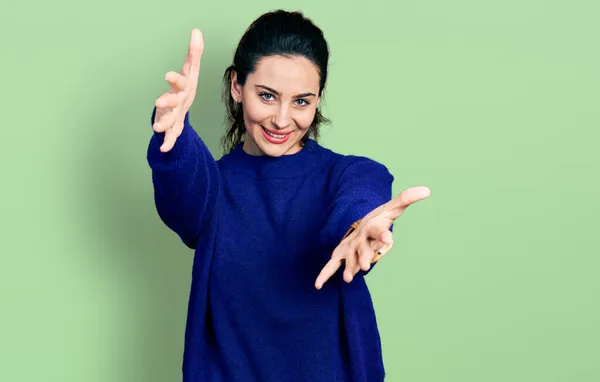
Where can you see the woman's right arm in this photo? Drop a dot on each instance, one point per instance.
(185, 175)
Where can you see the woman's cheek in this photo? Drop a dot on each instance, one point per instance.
(307, 119)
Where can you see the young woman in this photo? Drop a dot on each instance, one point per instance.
(274, 219)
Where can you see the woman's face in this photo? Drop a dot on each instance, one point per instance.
(279, 101)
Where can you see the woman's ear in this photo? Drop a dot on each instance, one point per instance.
(236, 89)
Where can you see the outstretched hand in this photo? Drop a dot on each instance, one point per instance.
(172, 106)
(371, 239)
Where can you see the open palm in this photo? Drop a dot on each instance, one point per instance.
(371, 239)
(172, 106)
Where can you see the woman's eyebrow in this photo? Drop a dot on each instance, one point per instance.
(278, 93)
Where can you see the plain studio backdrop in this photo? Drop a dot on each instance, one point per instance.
(493, 105)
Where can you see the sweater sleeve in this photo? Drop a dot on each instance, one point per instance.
(361, 186)
(186, 182)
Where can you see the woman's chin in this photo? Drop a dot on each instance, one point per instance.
(273, 150)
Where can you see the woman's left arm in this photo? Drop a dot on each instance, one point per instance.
(361, 216)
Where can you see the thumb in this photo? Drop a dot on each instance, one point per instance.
(407, 197)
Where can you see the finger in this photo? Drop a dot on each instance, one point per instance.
(329, 270)
(168, 142)
(177, 81)
(406, 198)
(376, 245)
(168, 100)
(365, 254)
(191, 66)
(351, 264)
(378, 228)
(380, 251)
(386, 237)
(171, 136)
(164, 122)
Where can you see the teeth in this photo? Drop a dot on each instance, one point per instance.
(275, 135)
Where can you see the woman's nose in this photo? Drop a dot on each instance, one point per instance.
(282, 119)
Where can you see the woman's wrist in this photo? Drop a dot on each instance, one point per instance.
(351, 229)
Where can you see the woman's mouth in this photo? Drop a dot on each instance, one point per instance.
(274, 137)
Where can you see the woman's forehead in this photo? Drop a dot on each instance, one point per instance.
(286, 74)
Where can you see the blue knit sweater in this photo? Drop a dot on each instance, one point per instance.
(262, 229)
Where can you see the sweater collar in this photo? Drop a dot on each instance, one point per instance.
(264, 166)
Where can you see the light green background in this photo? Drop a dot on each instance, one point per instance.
(493, 105)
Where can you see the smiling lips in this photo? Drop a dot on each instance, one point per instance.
(275, 137)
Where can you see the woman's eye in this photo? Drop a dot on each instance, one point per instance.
(266, 96)
(303, 102)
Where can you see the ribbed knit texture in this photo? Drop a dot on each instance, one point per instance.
(262, 229)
